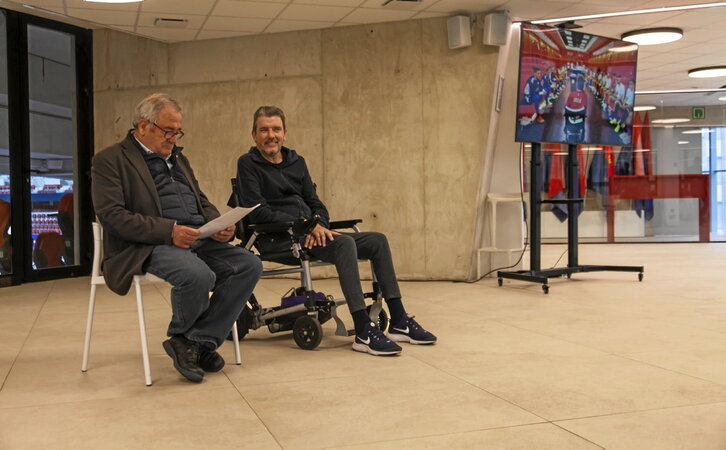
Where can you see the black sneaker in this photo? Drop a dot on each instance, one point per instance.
(185, 354)
(373, 341)
(210, 361)
(408, 330)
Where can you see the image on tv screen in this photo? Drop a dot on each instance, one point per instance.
(574, 88)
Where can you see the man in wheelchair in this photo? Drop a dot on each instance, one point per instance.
(278, 179)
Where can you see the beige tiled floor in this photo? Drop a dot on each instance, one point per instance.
(602, 361)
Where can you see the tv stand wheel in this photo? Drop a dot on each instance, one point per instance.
(640, 276)
(500, 281)
(545, 289)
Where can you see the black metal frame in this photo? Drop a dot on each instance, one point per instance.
(19, 140)
(536, 274)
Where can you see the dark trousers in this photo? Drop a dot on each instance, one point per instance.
(231, 272)
(344, 252)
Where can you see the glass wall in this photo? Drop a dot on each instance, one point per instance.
(45, 148)
(668, 186)
(5, 200)
(713, 163)
(52, 107)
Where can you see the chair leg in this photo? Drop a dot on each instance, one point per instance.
(142, 332)
(235, 339)
(89, 327)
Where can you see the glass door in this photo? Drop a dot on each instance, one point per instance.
(45, 149)
(713, 148)
(52, 132)
(6, 245)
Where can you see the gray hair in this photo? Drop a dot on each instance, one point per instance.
(268, 111)
(148, 109)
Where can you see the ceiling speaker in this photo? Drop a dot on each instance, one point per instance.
(496, 28)
(459, 28)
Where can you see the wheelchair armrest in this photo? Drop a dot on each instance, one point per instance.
(340, 224)
(297, 227)
(273, 227)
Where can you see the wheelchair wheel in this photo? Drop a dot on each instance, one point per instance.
(382, 321)
(307, 332)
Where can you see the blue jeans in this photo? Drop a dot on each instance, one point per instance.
(231, 272)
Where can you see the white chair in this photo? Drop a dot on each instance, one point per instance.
(97, 278)
(516, 244)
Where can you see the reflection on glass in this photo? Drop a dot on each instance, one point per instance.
(52, 93)
(5, 230)
(713, 162)
(670, 185)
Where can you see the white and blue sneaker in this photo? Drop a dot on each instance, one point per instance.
(373, 341)
(408, 330)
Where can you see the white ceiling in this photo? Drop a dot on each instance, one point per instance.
(659, 67)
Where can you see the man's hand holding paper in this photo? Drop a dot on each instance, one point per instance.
(223, 223)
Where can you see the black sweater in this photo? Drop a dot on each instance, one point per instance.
(284, 191)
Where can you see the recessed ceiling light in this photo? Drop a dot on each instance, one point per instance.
(624, 48)
(703, 131)
(631, 12)
(678, 91)
(113, 1)
(653, 36)
(644, 108)
(684, 142)
(674, 120)
(708, 72)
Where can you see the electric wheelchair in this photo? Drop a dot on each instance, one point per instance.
(302, 310)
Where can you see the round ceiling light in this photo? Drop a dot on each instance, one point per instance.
(653, 36)
(644, 108)
(708, 72)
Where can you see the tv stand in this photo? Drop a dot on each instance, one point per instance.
(542, 276)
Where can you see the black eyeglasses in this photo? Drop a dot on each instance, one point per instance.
(178, 134)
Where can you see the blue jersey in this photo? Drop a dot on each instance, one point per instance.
(532, 90)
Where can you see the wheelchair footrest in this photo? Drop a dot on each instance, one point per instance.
(344, 332)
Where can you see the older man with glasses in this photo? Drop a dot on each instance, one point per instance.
(150, 206)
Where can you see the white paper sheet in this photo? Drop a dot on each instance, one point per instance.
(231, 217)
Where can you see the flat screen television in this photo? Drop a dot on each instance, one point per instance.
(574, 88)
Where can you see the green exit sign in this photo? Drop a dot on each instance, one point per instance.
(698, 112)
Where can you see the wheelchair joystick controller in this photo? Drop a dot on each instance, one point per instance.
(305, 226)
